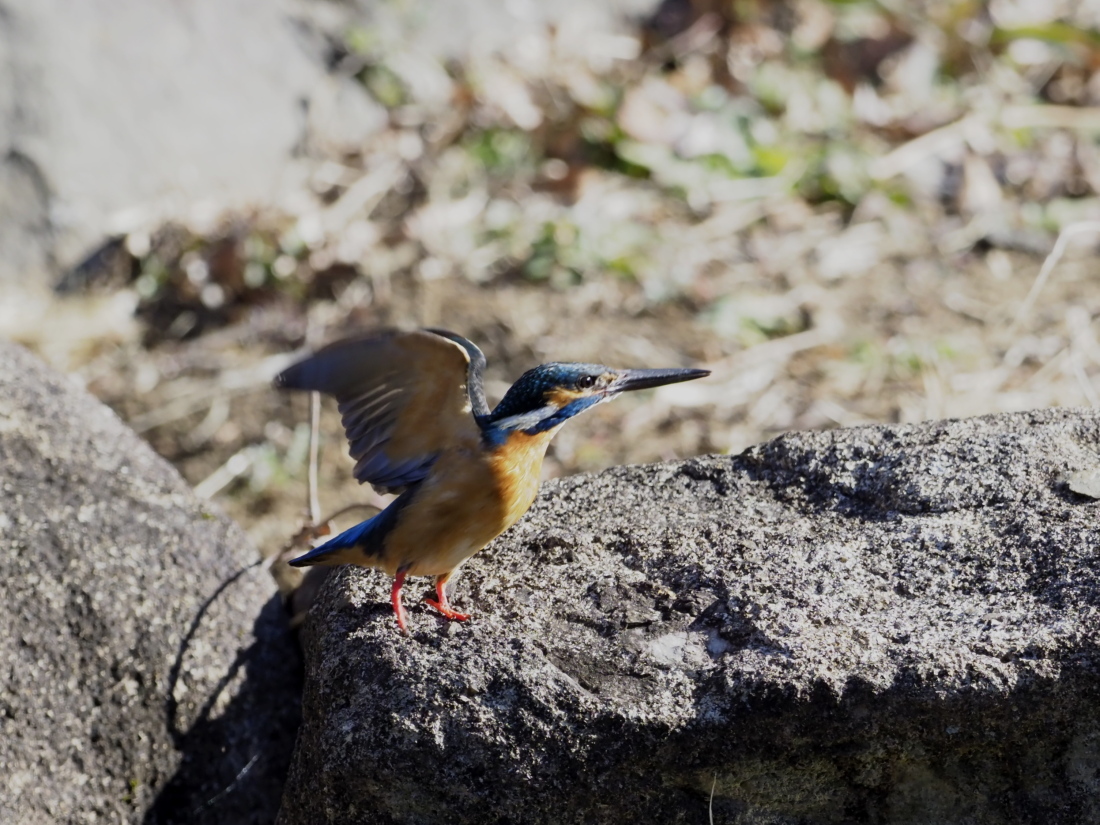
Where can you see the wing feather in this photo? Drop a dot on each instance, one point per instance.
(403, 398)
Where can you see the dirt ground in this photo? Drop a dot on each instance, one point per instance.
(911, 341)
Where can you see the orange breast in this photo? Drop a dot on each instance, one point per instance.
(470, 498)
(516, 469)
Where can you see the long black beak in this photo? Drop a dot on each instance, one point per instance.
(644, 379)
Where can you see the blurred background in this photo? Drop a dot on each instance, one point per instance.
(840, 208)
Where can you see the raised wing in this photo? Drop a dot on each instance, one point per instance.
(403, 396)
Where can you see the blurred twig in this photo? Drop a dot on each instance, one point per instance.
(314, 449)
(234, 468)
(313, 335)
(1048, 266)
(1086, 119)
(197, 395)
(938, 140)
(1079, 374)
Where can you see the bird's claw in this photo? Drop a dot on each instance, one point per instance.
(446, 610)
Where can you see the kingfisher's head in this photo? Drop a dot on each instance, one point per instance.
(550, 394)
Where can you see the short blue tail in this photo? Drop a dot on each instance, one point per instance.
(370, 535)
(349, 538)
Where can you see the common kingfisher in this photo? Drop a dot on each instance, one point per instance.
(414, 411)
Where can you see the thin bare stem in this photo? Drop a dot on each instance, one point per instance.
(1048, 266)
(349, 508)
(313, 334)
(314, 450)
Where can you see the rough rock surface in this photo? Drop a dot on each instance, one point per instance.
(146, 672)
(881, 624)
(111, 106)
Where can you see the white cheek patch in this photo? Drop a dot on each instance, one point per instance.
(527, 419)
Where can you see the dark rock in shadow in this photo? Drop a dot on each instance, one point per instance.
(147, 672)
(234, 763)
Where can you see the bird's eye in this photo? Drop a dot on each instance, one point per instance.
(586, 381)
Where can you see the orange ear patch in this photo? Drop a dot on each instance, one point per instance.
(561, 396)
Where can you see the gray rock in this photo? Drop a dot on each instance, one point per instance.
(118, 115)
(111, 110)
(343, 117)
(146, 672)
(882, 624)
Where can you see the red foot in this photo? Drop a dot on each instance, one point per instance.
(395, 600)
(446, 611)
(443, 606)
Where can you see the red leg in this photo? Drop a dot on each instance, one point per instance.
(395, 600)
(442, 605)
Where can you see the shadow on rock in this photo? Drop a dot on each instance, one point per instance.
(236, 751)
